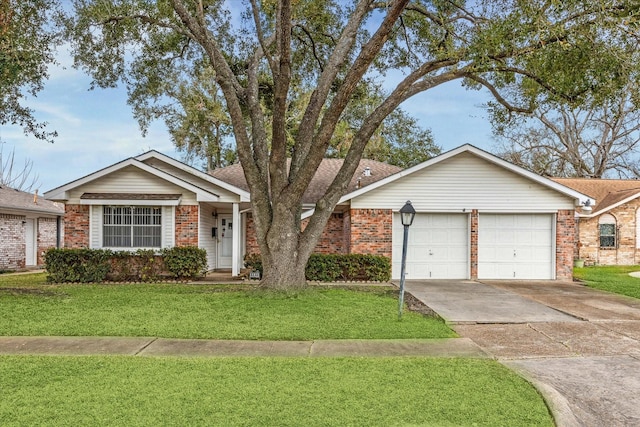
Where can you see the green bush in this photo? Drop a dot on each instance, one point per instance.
(143, 265)
(77, 265)
(337, 267)
(348, 267)
(185, 261)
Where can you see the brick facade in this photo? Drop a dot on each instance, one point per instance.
(187, 225)
(12, 242)
(334, 238)
(371, 231)
(76, 226)
(626, 252)
(565, 244)
(47, 236)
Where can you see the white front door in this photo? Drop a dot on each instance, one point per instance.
(225, 240)
(515, 246)
(437, 248)
(30, 242)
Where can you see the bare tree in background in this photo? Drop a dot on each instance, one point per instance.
(19, 178)
(593, 141)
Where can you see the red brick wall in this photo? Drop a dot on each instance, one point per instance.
(565, 244)
(473, 241)
(12, 242)
(46, 236)
(333, 240)
(371, 231)
(76, 226)
(187, 225)
(251, 243)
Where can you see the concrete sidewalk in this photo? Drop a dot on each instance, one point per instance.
(149, 346)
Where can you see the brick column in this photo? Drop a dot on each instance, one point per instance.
(47, 230)
(12, 242)
(76, 226)
(565, 244)
(473, 244)
(187, 225)
(371, 231)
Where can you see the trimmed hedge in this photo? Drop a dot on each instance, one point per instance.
(99, 265)
(338, 267)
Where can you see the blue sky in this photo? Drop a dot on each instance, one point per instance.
(96, 128)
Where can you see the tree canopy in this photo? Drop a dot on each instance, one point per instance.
(29, 36)
(263, 53)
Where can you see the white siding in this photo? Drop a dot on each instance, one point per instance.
(95, 226)
(132, 180)
(465, 182)
(168, 226)
(205, 240)
(225, 196)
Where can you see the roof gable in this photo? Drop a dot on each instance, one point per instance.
(62, 193)
(579, 197)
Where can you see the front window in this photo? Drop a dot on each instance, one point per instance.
(132, 227)
(608, 231)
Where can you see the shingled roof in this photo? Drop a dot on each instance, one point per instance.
(15, 200)
(326, 172)
(606, 192)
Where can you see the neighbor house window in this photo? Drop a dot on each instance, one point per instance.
(608, 231)
(132, 227)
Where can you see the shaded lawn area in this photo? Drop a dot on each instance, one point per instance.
(32, 307)
(611, 278)
(137, 391)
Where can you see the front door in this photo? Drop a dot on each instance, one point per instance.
(30, 242)
(225, 241)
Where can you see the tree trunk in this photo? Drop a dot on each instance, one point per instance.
(283, 259)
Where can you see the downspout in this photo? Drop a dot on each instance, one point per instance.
(58, 231)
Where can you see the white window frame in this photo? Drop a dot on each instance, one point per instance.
(152, 221)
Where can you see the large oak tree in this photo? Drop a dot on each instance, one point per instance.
(29, 36)
(275, 49)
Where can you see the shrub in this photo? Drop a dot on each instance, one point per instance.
(334, 267)
(77, 265)
(348, 267)
(143, 265)
(185, 261)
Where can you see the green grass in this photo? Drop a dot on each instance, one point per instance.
(30, 306)
(137, 391)
(614, 278)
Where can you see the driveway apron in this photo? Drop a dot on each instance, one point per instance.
(580, 347)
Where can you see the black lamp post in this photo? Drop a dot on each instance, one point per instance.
(407, 213)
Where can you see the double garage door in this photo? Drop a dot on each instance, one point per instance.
(510, 246)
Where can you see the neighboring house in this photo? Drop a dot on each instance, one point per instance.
(610, 233)
(29, 225)
(477, 215)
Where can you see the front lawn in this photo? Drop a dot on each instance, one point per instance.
(140, 391)
(30, 306)
(611, 278)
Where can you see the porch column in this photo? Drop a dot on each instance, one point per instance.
(235, 246)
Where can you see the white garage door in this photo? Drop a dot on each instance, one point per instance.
(438, 247)
(515, 246)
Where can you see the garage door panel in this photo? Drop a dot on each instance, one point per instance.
(515, 246)
(437, 247)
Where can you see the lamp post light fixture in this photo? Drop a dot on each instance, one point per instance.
(407, 213)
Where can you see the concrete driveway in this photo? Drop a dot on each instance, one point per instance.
(579, 346)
